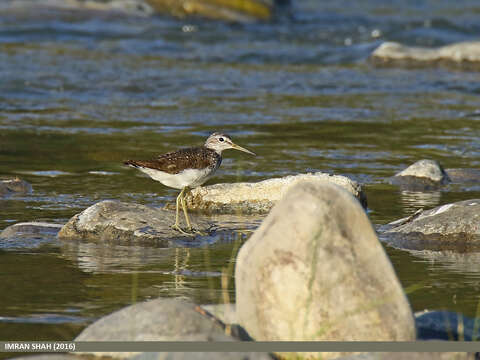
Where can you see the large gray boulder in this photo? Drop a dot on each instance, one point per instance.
(14, 186)
(115, 222)
(260, 197)
(119, 222)
(156, 320)
(422, 175)
(463, 53)
(315, 270)
(448, 227)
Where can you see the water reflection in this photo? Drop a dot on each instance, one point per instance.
(414, 200)
(453, 261)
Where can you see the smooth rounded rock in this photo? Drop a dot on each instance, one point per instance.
(30, 228)
(463, 53)
(315, 270)
(32, 7)
(155, 320)
(14, 186)
(453, 226)
(421, 175)
(119, 222)
(260, 197)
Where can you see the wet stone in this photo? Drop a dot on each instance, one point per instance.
(464, 54)
(155, 320)
(445, 325)
(422, 175)
(315, 270)
(453, 226)
(30, 229)
(464, 175)
(260, 197)
(125, 223)
(14, 186)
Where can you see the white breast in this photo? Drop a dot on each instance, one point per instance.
(189, 177)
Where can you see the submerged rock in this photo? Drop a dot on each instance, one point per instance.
(119, 222)
(260, 197)
(30, 229)
(30, 7)
(421, 175)
(448, 227)
(464, 175)
(445, 325)
(463, 53)
(155, 320)
(315, 270)
(14, 186)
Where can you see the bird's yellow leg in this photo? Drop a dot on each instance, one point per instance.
(182, 199)
(176, 226)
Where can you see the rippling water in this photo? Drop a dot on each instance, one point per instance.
(81, 91)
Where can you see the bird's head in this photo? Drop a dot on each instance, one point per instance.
(219, 142)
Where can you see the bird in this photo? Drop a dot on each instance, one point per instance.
(187, 169)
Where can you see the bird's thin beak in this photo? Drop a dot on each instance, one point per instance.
(238, 147)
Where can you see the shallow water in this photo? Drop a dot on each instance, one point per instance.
(80, 92)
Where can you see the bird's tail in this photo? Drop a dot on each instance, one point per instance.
(132, 163)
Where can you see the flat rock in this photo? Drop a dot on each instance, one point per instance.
(30, 229)
(260, 197)
(127, 7)
(445, 325)
(315, 270)
(464, 175)
(453, 226)
(14, 186)
(125, 223)
(463, 53)
(156, 320)
(420, 176)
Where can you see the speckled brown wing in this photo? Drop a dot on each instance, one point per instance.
(177, 161)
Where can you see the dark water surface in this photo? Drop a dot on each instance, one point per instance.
(80, 92)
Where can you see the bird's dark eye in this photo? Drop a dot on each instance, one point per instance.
(221, 139)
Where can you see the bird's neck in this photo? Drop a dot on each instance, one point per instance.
(218, 151)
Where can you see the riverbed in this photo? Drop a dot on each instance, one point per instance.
(82, 91)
